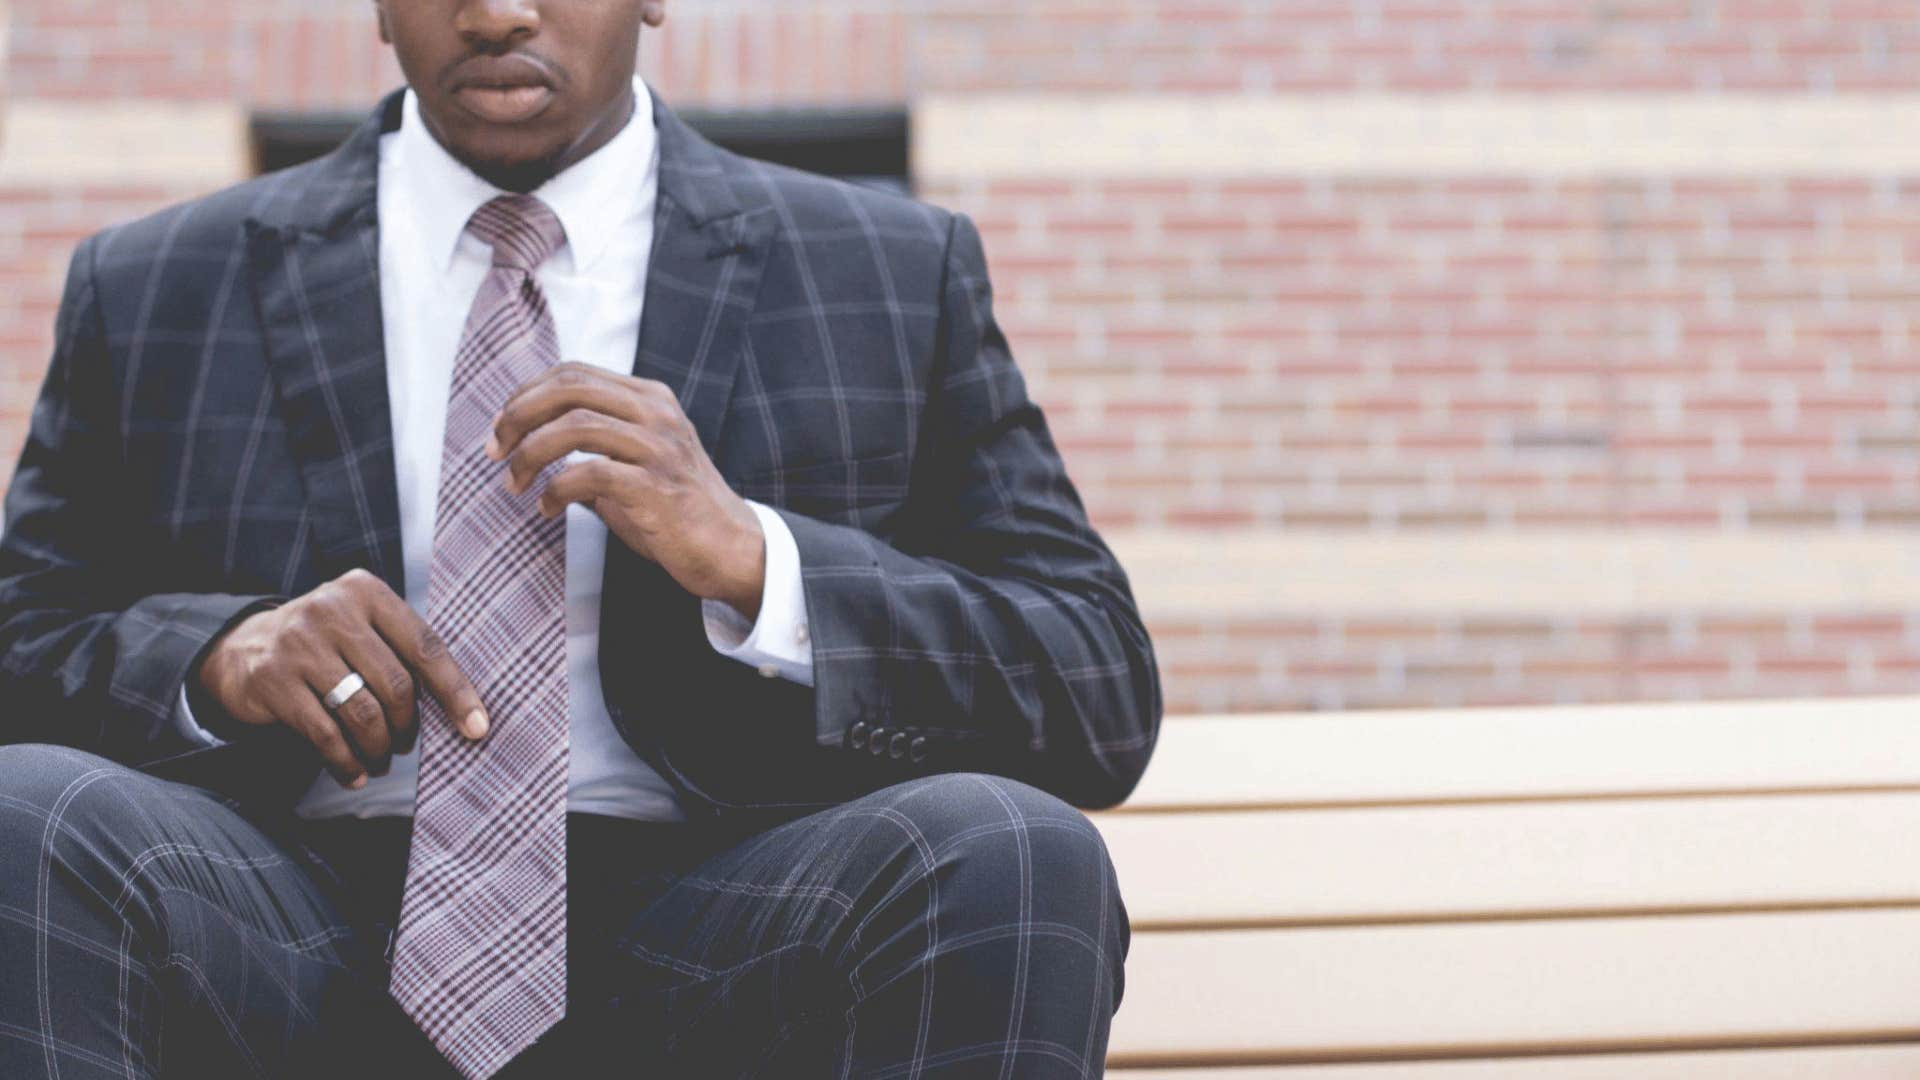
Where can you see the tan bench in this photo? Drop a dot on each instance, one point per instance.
(1700, 891)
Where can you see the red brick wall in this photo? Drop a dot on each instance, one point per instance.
(1492, 352)
(1519, 45)
(1319, 354)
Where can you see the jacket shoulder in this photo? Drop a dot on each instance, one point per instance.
(210, 227)
(815, 205)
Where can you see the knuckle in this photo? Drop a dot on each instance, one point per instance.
(430, 646)
(396, 682)
(302, 630)
(362, 712)
(659, 450)
(331, 612)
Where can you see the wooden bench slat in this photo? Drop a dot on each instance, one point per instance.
(1826, 1063)
(1273, 996)
(1457, 861)
(1522, 753)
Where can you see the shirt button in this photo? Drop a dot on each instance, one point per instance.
(800, 632)
(768, 671)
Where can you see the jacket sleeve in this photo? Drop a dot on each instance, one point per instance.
(997, 625)
(89, 656)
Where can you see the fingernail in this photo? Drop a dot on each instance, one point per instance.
(493, 447)
(476, 726)
(358, 783)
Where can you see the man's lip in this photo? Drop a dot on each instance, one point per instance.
(505, 104)
(510, 71)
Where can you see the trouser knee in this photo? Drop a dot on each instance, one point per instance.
(1005, 858)
(57, 801)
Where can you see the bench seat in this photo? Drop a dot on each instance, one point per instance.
(1644, 890)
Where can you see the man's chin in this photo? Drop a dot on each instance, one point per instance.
(510, 174)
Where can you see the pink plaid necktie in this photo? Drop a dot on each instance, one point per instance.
(481, 960)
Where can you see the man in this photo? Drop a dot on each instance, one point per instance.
(660, 555)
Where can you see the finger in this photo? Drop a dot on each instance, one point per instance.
(381, 620)
(576, 429)
(360, 717)
(387, 680)
(425, 653)
(587, 481)
(296, 707)
(567, 386)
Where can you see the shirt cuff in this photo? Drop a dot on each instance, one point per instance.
(777, 642)
(186, 725)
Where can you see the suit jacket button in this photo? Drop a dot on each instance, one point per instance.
(857, 736)
(877, 741)
(917, 750)
(897, 746)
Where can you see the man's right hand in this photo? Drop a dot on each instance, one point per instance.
(274, 667)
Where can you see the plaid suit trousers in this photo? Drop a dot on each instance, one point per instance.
(956, 925)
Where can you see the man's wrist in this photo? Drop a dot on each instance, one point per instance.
(212, 716)
(775, 641)
(208, 713)
(748, 582)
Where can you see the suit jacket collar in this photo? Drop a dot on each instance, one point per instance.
(340, 189)
(314, 255)
(694, 173)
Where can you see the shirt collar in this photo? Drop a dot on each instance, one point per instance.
(593, 197)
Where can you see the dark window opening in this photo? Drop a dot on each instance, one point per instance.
(865, 146)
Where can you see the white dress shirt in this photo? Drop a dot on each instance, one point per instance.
(430, 272)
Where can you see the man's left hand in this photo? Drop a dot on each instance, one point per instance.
(656, 488)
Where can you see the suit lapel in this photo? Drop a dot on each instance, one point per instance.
(708, 255)
(315, 263)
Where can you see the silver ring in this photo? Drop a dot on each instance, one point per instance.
(344, 689)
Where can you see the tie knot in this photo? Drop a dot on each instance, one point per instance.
(522, 230)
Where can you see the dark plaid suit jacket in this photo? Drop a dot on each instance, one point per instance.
(214, 434)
